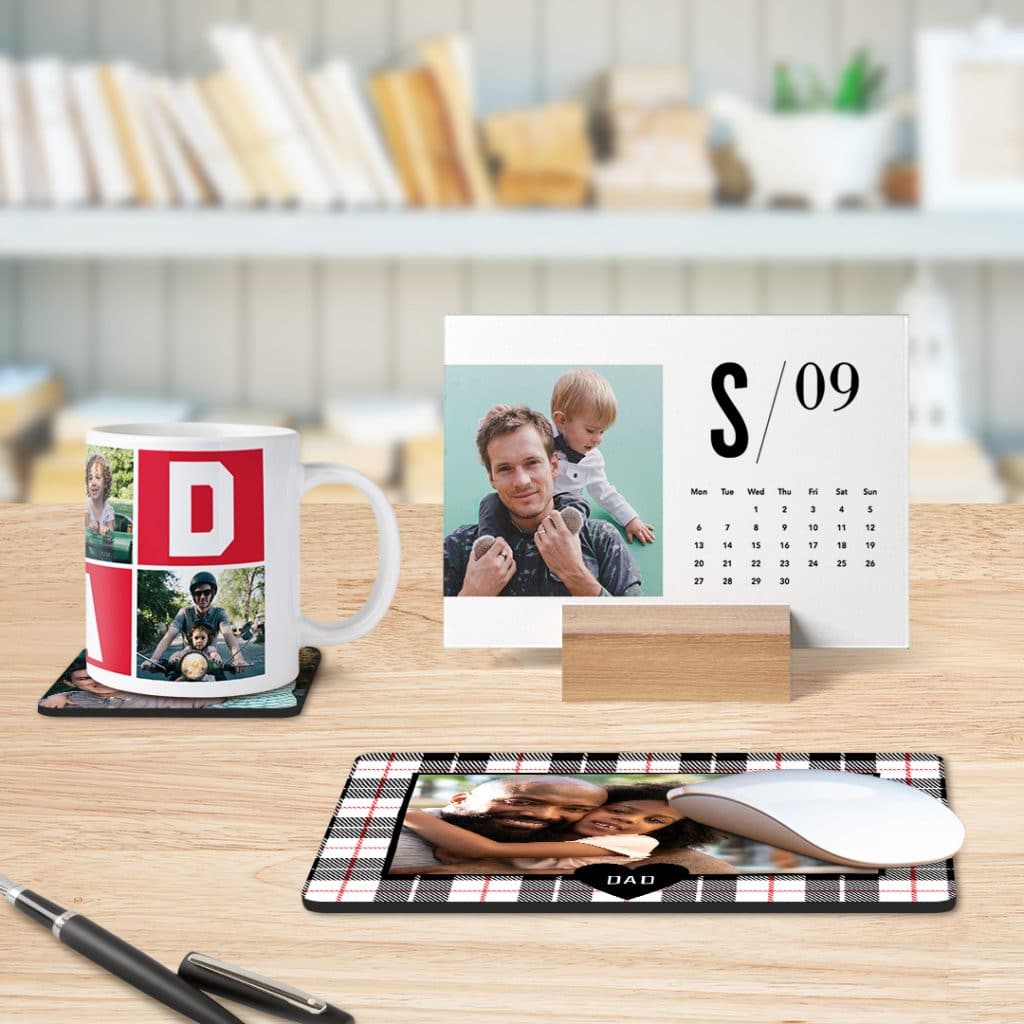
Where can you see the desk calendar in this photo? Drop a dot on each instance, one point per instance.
(767, 455)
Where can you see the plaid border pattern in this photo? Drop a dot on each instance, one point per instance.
(347, 872)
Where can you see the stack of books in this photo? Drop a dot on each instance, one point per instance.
(29, 396)
(543, 155)
(261, 130)
(428, 115)
(660, 145)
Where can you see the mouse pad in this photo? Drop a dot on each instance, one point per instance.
(76, 694)
(628, 850)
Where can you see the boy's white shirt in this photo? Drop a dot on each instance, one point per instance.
(589, 473)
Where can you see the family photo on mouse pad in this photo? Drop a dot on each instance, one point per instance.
(658, 831)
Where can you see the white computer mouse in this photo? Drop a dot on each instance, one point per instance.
(839, 817)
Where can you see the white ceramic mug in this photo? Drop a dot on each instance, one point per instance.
(202, 520)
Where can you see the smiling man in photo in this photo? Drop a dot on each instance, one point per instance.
(526, 809)
(536, 554)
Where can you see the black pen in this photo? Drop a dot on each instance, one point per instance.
(116, 956)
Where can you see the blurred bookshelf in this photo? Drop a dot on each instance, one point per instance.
(718, 235)
(308, 199)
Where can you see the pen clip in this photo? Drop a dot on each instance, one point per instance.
(259, 985)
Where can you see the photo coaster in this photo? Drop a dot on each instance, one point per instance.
(75, 695)
(368, 861)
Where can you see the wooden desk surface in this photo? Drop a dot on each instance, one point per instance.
(186, 834)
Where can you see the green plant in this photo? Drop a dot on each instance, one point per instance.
(796, 89)
(160, 599)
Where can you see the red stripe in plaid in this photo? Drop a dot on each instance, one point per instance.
(519, 763)
(366, 828)
(913, 884)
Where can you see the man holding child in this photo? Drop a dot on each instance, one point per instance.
(535, 553)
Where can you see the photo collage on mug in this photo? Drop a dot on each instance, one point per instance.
(175, 566)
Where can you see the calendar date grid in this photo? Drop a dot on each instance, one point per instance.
(776, 537)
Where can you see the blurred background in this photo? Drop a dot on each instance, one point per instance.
(269, 221)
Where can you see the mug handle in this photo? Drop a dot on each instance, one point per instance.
(389, 549)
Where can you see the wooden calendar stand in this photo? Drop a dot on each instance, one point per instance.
(675, 652)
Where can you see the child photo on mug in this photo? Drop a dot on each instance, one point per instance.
(109, 493)
(195, 626)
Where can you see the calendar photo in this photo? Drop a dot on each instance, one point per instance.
(677, 459)
(544, 494)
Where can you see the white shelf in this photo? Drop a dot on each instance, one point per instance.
(731, 235)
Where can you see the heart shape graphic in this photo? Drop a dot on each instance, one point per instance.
(628, 883)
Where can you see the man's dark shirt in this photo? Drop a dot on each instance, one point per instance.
(604, 554)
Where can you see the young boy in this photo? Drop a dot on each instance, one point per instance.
(583, 407)
(200, 641)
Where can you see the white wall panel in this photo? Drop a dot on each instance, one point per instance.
(798, 289)
(725, 289)
(649, 288)
(885, 27)
(424, 293)
(8, 311)
(358, 330)
(298, 21)
(1006, 369)
(577, 47)
(205, 325)
(55, 322)
(725, 50)
(497, 288)
(279, 355)
(188, 52)
(577, 288)
(952, 13)
(870, 289)
(649, 32)
(1011, 11)
(9, 17)
(63, 28)
(359, 33)
(967, 285)
(131, 328)
(415, 20)
(800, 33)
(506, 50)
(133, 29)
